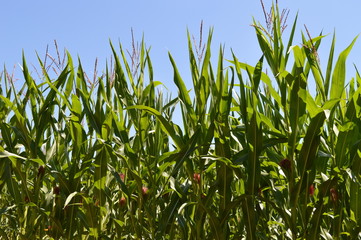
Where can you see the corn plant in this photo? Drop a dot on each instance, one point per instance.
(255, 155)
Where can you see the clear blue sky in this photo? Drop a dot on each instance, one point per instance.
(85, 27)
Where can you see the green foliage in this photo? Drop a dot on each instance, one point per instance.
(258, 156)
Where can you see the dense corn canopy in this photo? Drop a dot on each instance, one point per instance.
(256, 156)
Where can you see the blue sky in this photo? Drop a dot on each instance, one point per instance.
(85, 27)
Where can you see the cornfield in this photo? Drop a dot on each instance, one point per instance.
(247, 152)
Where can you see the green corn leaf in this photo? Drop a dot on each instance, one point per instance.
(185, 152)
(218, 232)
(183, 92)
(264, 77)
(80, 82)
(3, 234)
(92, 118)
(339, 73)
(316, 219)
(6, 154)
(297, 109)
(355, 189)
(6, 136)
(168, 128)
(250, 217)
(58, 84)
(310, 144)
(254, 135)
(129, 72)
(70, 83)
(33, 91)
(204, 82)
(307, 155)
(243, 102)
(20, 120)
(291, 39)
(348, 135)
(192, 60)
(257, 75)
(268, 123)
(124, 188)
(329, 65)
(311, 105)
(12, 185)
(266, 48)
(69, 198)
(100, 174)
(169, 214)
(90, 217)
